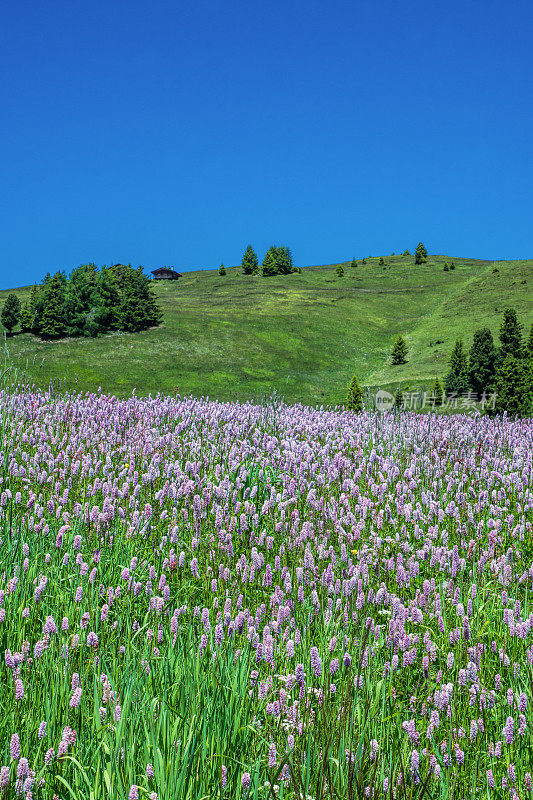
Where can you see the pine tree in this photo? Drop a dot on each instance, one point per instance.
(250, 264)
(27, 312)
(354, 263)
(406, 253)
(270, 265)
(514, 387)
(340, 271)
(510, 335)
(482, 362)
(399, 397)
(457, 379)
(421, 254)
(222, 270)
(107, 300)
(354, 399)
(452, 265)
(437, 393)
(10, 313)
(81, 301)
(446, 267)
(381, 261)
(364, 261)
(53, 321)
(285, 265)
(399, 351)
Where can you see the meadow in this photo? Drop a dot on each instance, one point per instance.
(219, 600)
(238, 337)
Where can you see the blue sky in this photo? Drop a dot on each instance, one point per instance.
(178, 132)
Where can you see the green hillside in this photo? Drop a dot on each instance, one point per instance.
(237, 337)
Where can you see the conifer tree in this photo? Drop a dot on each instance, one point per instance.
(457, 379)
(482, 362)
(10, 313)
(340, 271)
(250, 264)
(27, 312)
(381, 261)
(437, 393)
(399, 351)
(452, 265)
(406, 253)
(222, 270)
(514, 387)
(271, 262)
(421, 254)
(510, 335)
(364, 261)
(354, 399)
(354, 263)
(53, 321)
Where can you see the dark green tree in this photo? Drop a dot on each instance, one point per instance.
(107, 300)
(250, 264)
(406, 253)
(421, 254)
(364, 261)
(482, 362)
(10, 313)
(52, 307)
(339, 271)
(457, 379)
(27, 312)
(514, 387)
(381, 261)
(399, 351)
(438, 394)
(81, 301)
(452, 265)
(510, 335)
(354, 263)
(270, 262)
(222, 270)
(354, 399)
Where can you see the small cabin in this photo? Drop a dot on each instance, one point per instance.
(165, 274)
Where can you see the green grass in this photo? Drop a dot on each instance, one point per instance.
(237, 337)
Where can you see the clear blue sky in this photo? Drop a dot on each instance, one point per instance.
(178, 132)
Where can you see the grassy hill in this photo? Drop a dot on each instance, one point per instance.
(237, 337)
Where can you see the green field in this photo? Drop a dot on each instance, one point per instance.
(239, 337)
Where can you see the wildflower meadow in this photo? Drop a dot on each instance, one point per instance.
(213, 600)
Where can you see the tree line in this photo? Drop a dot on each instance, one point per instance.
(90, 301)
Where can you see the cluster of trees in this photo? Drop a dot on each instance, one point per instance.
(506, 370)
(277, 261)
(89, 302)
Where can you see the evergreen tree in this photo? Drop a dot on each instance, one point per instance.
(399, 351)
(406, 253)
(107, 300)
(354, 399)
(354, 263)
(437, 393)
(340, 271)
(285, 261)
(10, 313)
(482, 363)
(399, 397)
(381, 261)
(364, 261)
(421, 254)
(514, 387)
(222, 270)
(52, 318)
(81, 301)
(271, 262)
(510, 335)
(27, 312)
(250, 264)
(457, 379)
(446, 267)
(452, 265)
